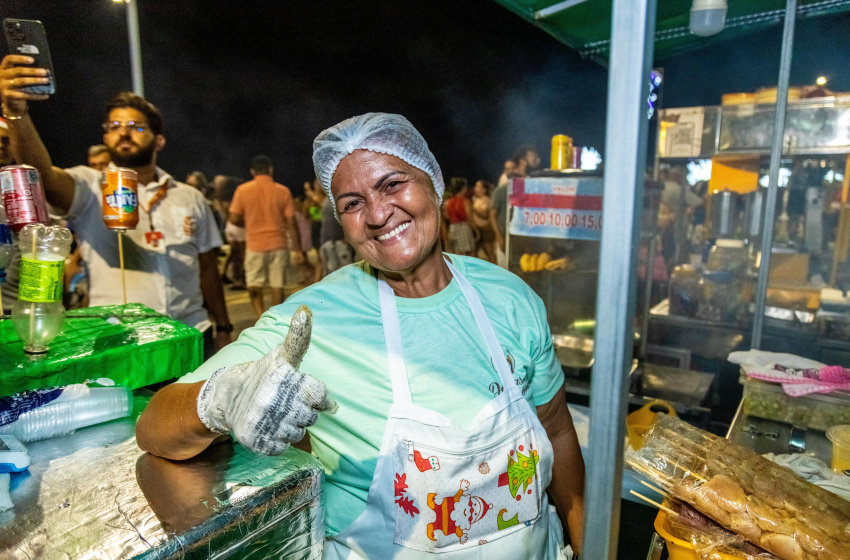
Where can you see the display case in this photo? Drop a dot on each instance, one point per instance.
(811, 232)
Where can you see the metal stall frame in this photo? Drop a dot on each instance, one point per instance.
(773, 180)
(626, 142)
(632, 45)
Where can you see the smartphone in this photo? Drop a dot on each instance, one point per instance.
(27, 37)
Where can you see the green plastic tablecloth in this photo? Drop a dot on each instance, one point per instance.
(130, 344)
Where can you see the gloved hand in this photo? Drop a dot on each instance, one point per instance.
(266, 404)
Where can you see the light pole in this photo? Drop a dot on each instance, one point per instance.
(135, 46)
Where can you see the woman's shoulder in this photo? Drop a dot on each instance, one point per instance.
(483, 274)
(347, 282)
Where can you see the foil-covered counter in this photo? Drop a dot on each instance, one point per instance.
(95, 495)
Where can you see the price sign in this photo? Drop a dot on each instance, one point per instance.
(560, 208)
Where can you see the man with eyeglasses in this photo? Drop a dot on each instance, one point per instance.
(170, 258)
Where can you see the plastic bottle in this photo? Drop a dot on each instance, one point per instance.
(76, 406)
(38, 314)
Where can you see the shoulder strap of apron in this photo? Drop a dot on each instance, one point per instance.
(490, 338)
(392, 335)
(395, 354)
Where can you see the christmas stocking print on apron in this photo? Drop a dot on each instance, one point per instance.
(439, 488)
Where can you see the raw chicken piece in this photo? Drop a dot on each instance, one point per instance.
(769, 519)
(745, 526)
(725, 493)
(782, 545)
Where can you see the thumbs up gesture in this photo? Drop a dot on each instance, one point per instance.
(267, 404)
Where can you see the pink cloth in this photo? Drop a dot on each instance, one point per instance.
(799, 382)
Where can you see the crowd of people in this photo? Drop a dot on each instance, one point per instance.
(305, 228)
(275, 238)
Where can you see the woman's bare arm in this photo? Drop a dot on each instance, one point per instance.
(170, 427)
(567, 487)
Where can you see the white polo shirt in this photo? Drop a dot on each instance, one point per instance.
(166, 280)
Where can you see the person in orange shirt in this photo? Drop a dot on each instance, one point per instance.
(266, 210)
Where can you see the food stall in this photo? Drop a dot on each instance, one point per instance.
(91, 493)
(584, 25)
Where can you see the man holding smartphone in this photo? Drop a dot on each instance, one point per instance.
(170, 261)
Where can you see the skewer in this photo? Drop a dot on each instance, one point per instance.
(657, 474)
(699, 459)
(121, 262)
(684, 430)
(666, 510)
(696, 476)
(659, 477)
(655, 488)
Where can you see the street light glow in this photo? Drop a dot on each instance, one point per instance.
(821, 81)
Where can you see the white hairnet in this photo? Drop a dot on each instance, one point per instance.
(377, 132)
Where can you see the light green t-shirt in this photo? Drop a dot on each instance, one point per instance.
(448, 366)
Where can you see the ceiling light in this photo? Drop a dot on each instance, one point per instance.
(708, 17)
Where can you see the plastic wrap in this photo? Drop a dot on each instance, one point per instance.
(130, 344)
(95, 495)
(765, 503)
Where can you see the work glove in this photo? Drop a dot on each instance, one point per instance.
(266, 404)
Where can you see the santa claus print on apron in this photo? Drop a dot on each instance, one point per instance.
(460, 492)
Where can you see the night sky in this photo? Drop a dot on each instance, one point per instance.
(233, 79)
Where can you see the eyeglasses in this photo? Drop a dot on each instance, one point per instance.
(132, 126)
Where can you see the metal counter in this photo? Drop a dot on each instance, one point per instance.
(95, 495)
(715, 341)
(769, 436)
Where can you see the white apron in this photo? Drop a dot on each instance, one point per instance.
(438, 488)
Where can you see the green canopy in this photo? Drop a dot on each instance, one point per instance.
(585, 25)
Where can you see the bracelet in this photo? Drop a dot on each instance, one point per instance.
(10, 118)
(227, 328)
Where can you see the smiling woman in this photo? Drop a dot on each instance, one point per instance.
(386, 188)
(441, 443)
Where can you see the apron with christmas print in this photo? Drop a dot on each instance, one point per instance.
(439, 488)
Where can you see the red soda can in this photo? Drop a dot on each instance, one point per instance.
(23, 196)
(120, 187)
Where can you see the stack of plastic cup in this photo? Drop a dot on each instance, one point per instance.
(64, 415)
